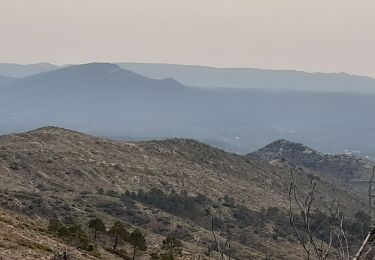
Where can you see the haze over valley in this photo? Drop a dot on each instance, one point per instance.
(110, 101)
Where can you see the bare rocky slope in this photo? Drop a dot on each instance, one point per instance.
(349, 170)
(172, 187)
(25, 238)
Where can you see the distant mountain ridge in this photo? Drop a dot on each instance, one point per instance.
(264, 79)
(211, 77)
(92, 74)
(105, 100)
(85, 95)
(25, 70)
(5, 80)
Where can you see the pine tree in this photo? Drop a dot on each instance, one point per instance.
(120, 233)
(172, 248)
(97, 225)
(138, 241)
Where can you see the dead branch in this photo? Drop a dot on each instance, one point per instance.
(320, 249)
(222, 248)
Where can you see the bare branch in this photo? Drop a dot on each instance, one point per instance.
(370, 195)
(221, 248)
(312, 246)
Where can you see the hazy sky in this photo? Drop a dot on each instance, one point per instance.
(312, 35)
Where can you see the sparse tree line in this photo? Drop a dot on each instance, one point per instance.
(334, 237)
(202, 211)
(118, 233)
(331, 235)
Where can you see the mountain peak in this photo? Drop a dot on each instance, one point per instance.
(282, 146)
(49, 129)
(104, 65)
(93, 77)
(54, 131)
(106, 68)
(339, 166)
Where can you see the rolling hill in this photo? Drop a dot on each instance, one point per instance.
(348, 169)
(25, 238)
(57, 173)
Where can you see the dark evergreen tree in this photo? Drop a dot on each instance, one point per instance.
(138, 241)
(119, 231)
(97, 225)
(172, 247)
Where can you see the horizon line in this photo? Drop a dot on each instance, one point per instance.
(61, 65)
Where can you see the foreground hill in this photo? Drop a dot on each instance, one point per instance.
(345, 168)
(25, 238)
(173, 187)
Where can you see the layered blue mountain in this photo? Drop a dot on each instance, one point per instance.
(202, 76)
(5, 80)
(25, 70)
(103, 99)
(97, 94)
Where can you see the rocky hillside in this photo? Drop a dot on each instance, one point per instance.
(346, 168)
(25, 238)
(172, 187)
